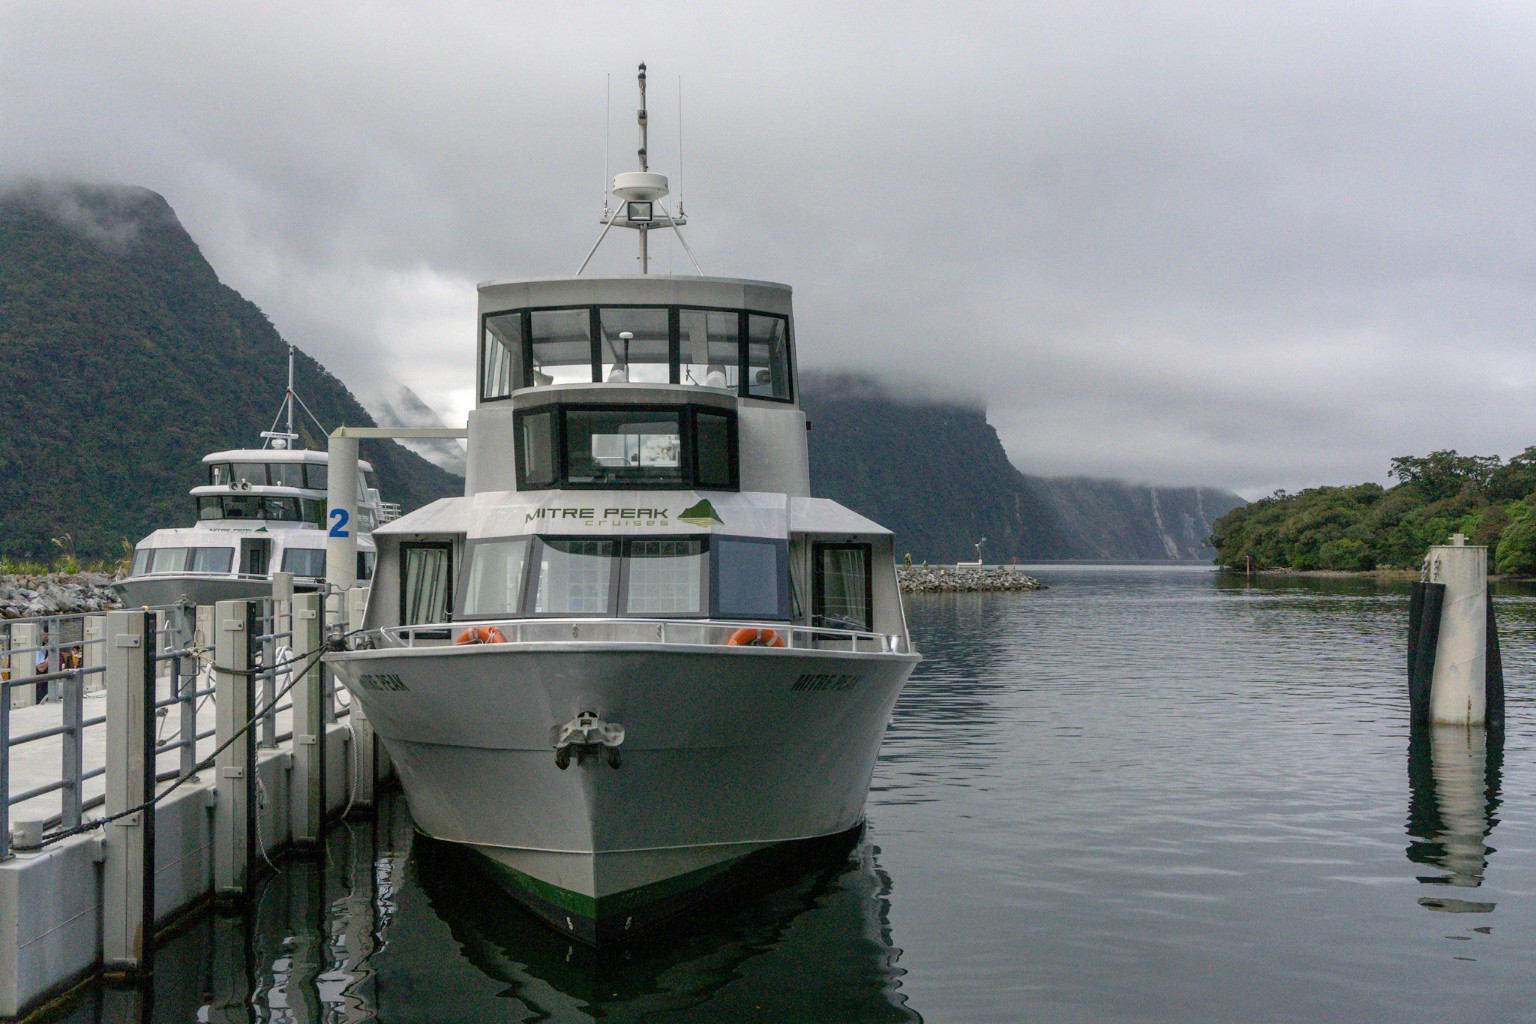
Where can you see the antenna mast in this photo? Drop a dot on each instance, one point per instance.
(645, 231)
(641, 193)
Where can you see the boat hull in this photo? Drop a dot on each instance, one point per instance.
(728, 753)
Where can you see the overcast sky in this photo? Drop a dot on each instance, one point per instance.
(1248, 245)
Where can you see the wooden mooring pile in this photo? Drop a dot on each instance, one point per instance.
(151, 762)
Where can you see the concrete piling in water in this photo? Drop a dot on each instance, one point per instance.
(308, 724)
(1455, 674)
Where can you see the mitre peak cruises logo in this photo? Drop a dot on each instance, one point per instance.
(702, 514)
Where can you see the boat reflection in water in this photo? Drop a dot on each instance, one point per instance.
(813, 945)
(1453, 776)
(388, 926)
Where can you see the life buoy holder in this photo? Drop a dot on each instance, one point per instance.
(481, 635)
(747, 636)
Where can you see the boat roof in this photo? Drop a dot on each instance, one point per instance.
(627, 513)
(305, 455)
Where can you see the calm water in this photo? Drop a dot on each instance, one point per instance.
(1141, 795)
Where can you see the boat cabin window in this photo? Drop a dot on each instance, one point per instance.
(635, 446)
(315, 476)
(740, 351)
(665, 576)
(575, 577)
(212, 560)
(425, 571)
(635, 345)
(768, 357)
(561, 347)
(365, 561)
(709, 343)
(751, 578)
(842, 587)
(495, 577)
(308, 562)
(501, 367)
(286, 474)
(666, 447)
(668, 577)
(258, 506)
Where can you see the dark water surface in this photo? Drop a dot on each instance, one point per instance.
(1146, 794)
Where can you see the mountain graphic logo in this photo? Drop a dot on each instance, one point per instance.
(702, 514)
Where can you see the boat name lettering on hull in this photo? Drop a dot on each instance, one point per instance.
(384, 681)
(826, 681)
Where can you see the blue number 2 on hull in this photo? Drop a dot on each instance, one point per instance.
(339, 518)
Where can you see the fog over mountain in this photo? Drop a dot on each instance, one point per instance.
(1250, 245)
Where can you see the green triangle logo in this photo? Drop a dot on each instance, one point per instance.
(702, 514)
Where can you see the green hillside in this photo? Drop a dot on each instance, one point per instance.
(126, 361)
(1367, 526)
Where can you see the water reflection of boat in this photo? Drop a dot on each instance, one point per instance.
(1454, 775)
(816, 946)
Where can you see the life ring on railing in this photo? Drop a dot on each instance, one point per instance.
(481, 635)
(747, 636)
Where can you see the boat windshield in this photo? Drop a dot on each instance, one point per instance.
(735, 350)
(258, 506)
(309, 562)
(191, 559)
(669, 577)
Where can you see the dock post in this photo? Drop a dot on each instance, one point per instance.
(94, 652)
(234, 833)
(128, 874)
(24, 635)
(308, 724)
(1458, 690)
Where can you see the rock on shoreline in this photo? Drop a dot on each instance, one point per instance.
(935, 579)
(55, 594)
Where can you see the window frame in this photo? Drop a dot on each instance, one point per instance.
(818, 581)
(781, 565)
(449, 590)
(688, 416)
(674, 344)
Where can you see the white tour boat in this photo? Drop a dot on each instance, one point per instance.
(259, 511)
(637, 658)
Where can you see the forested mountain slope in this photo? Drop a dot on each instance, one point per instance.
(125, 362)
(936, 474)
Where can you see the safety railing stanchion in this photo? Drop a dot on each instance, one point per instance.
(5, 770)
(128, 912)
(234, 622)
(308, 723)
(72, 746)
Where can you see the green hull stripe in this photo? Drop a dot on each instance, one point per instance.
(625, 902)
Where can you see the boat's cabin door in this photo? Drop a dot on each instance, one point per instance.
(255, 556)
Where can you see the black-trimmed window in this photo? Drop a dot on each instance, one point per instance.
(307, 562)
(737, 350)
(667, 576)
(750, 577)
(426, 577)
(575, 576)
(660, 447)
(842, 587)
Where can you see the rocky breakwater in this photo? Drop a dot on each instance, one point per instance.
(934, 579)
(55, 594)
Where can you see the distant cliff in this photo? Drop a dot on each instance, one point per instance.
(127, 361)
(936, 474)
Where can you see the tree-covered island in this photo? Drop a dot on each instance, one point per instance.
(1368, 526)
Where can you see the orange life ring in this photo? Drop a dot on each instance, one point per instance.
(481, 635)
(749, 637)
